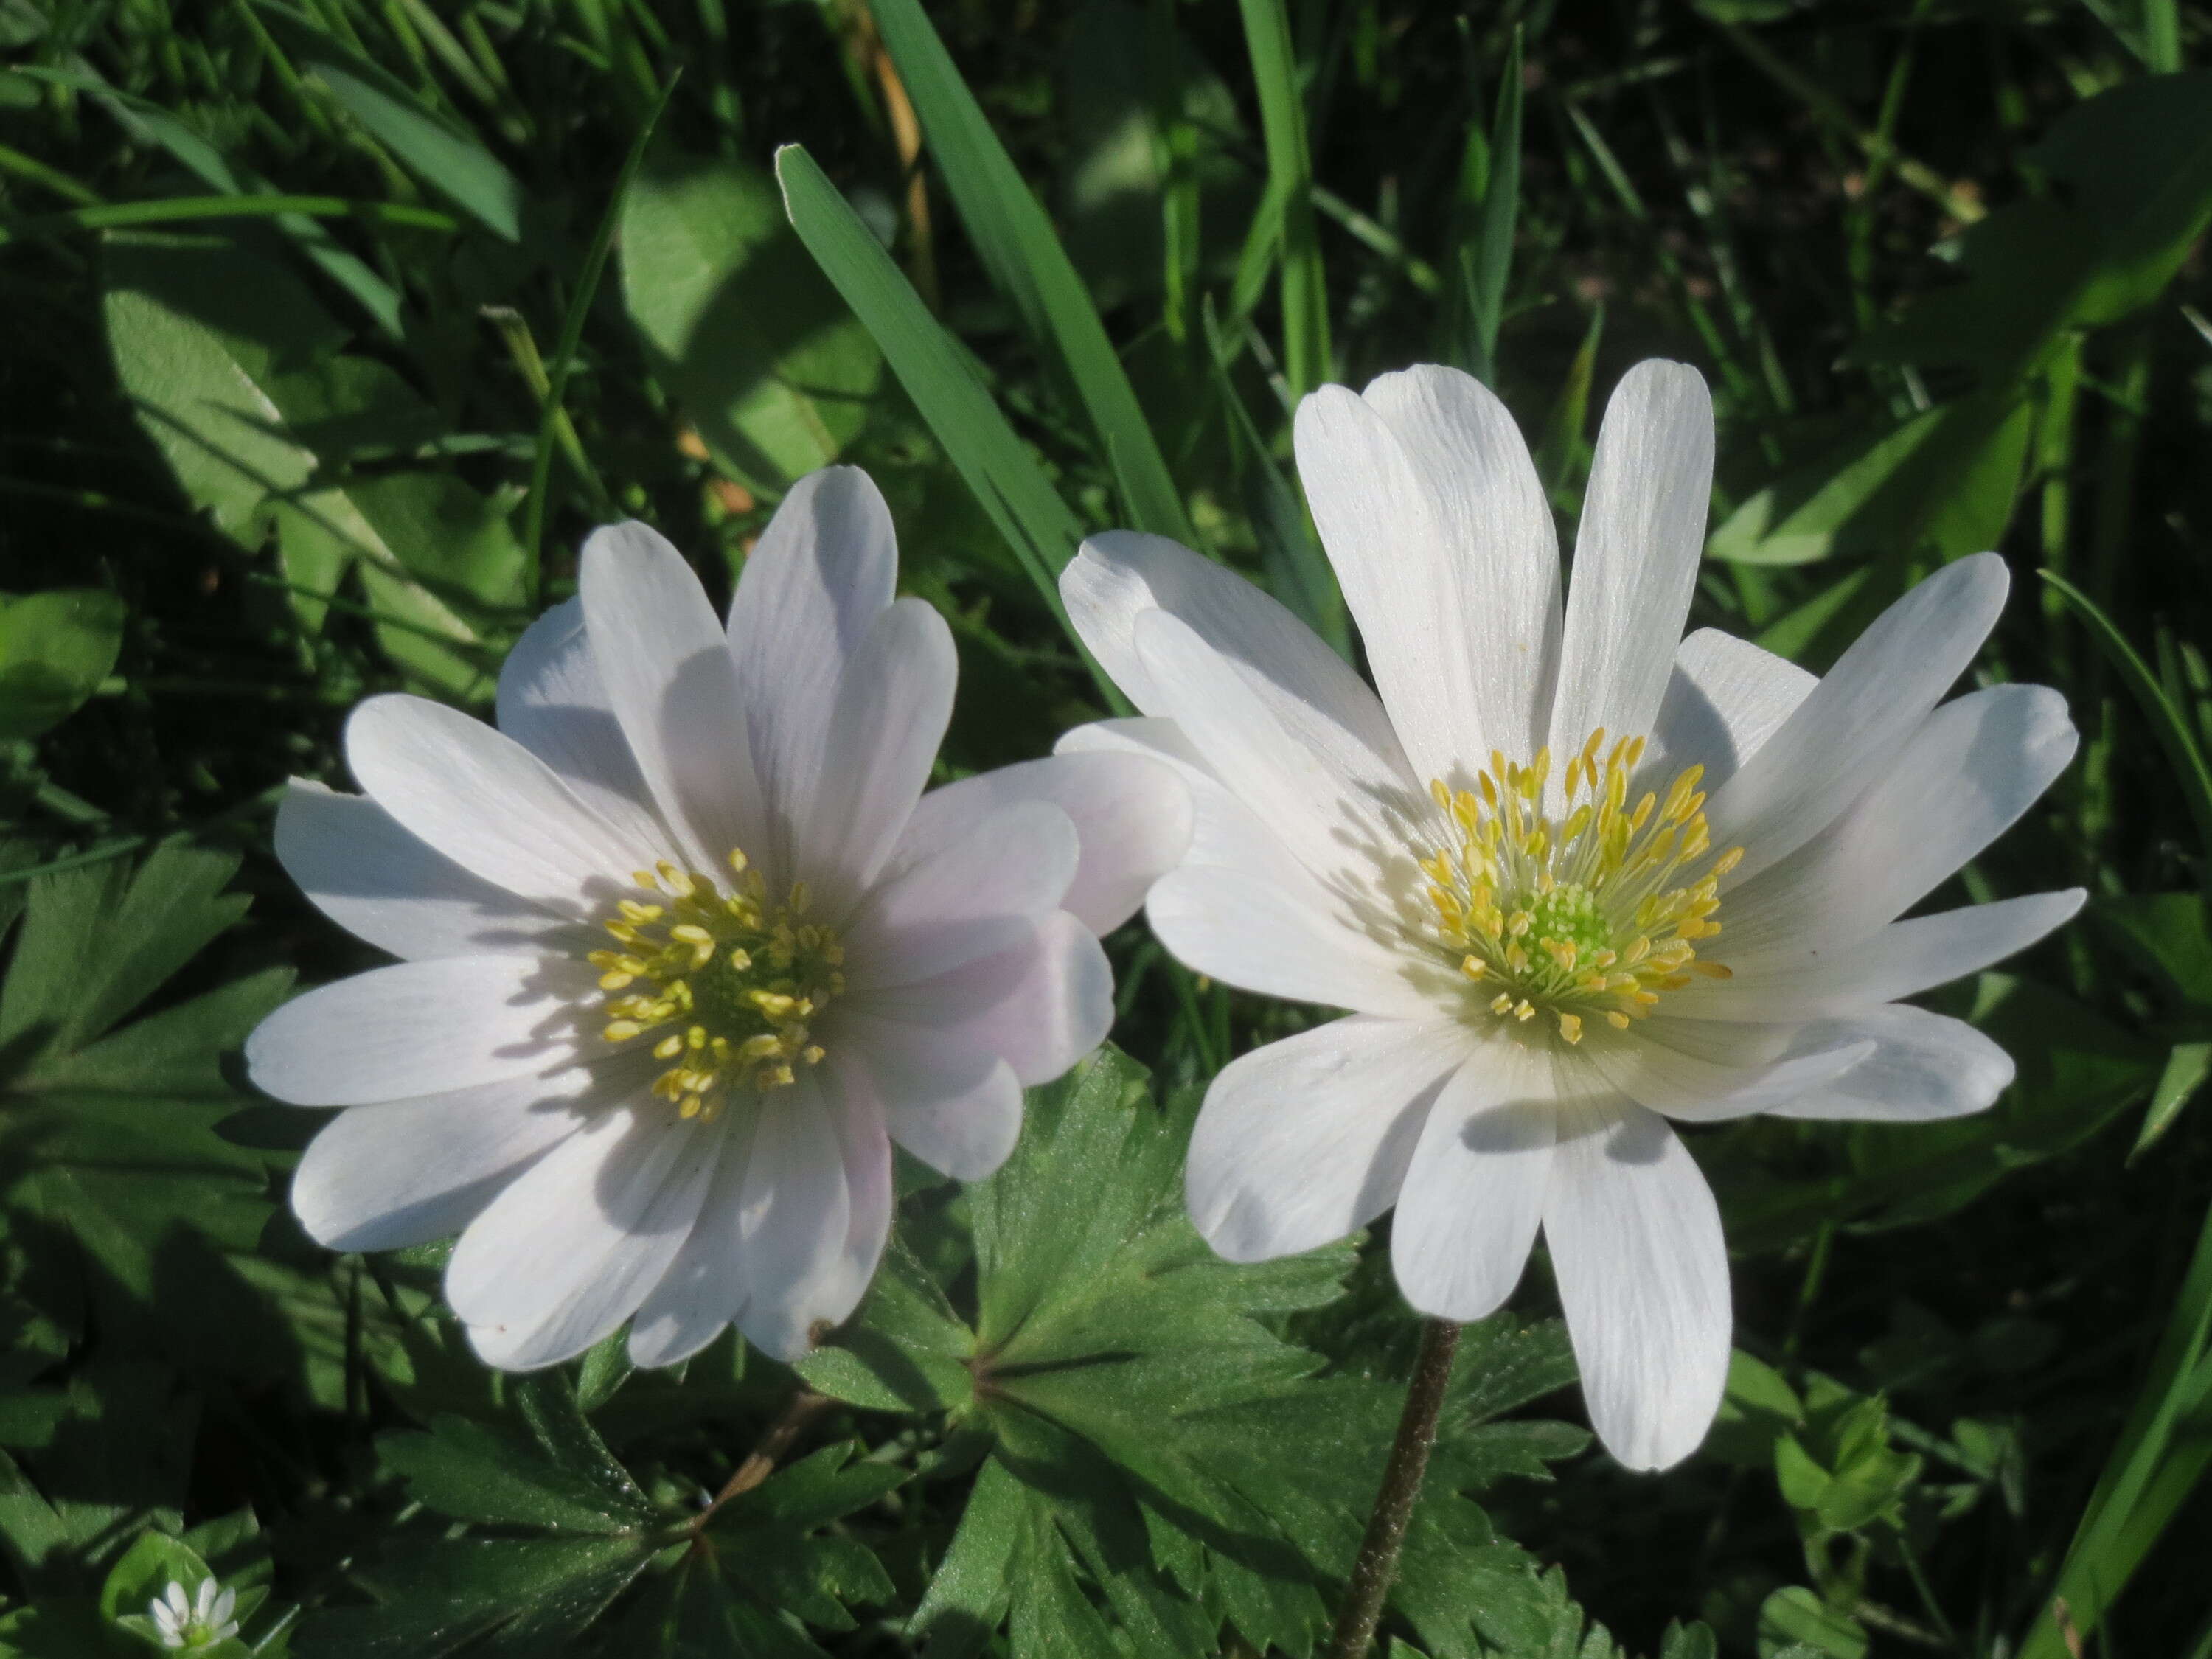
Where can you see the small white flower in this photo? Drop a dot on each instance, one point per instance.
(200, 1621)
(1515, 866)
(685, 948)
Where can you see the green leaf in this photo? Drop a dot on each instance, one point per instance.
(112, 1178)
(232, 369)
(1014, 239)
(1942, 482)
(776, 1547)
(904, 1349)
(2130, 190)
(1793, 1620)
(513, 1596)
(477, 1472)
(450, 161)
(2169, 934)
(55, 649)
(706, 253)
(1162, 1460)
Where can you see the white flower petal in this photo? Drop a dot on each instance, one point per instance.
(1812, 981)
(1132, 817)
(1222, 829)
(1306, 1139)
(856, 1118)
(1643, 1273)
(552, 702)
(362, 870)
(1489, 507)
(1636, 555)
(957, 1108)
(1923, 1066)
(1040, 1005)
(947, 900)
(819, 578)
(1410, 591)
(1326, 815)
(1969, 772)
(1852, 725)
(1317, 699)
(1466, 1217)
(570, 1250)
(380, 1177)
(1280, 934)
(893, 706)
(1690, 1072)
(795, 1218)
(704, 1287)
(1725, 698)
(672, 684)
(420, 1028)
(487, 803)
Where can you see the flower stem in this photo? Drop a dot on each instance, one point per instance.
(1378, 1563)
(804, 1406)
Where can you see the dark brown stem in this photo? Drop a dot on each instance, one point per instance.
(760, 1463)
(1377, 1564)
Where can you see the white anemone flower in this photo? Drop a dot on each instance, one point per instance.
(1573, 874)
(685, 948)
(200, 1620)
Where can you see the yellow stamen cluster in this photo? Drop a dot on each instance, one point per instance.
(734, 979)
(1590, 915)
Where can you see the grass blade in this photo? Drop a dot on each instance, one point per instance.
(1290, 189)
(2160, 1457)
(572, 335)
(1015, 240)
(2186, 1068)
(1298, 572)
(2167, 724)
(451, 162)
(1005, 478)
(1486, 259)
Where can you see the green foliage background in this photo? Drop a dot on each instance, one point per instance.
(325, 332)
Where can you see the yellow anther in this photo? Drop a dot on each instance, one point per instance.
(1570, 1027)
(1615, 1018)
(1501, 1004)
(739, 860)
(1713, 969)
(1471, 965)
(1524, 1010)
(668, 1047)
(813, 1054)
(678, 881)
(622, 1031)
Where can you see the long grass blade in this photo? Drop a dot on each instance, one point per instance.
(1290, 189)
(1015, 241)
(2167, 724)
(572, 335)
(1007, 482)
